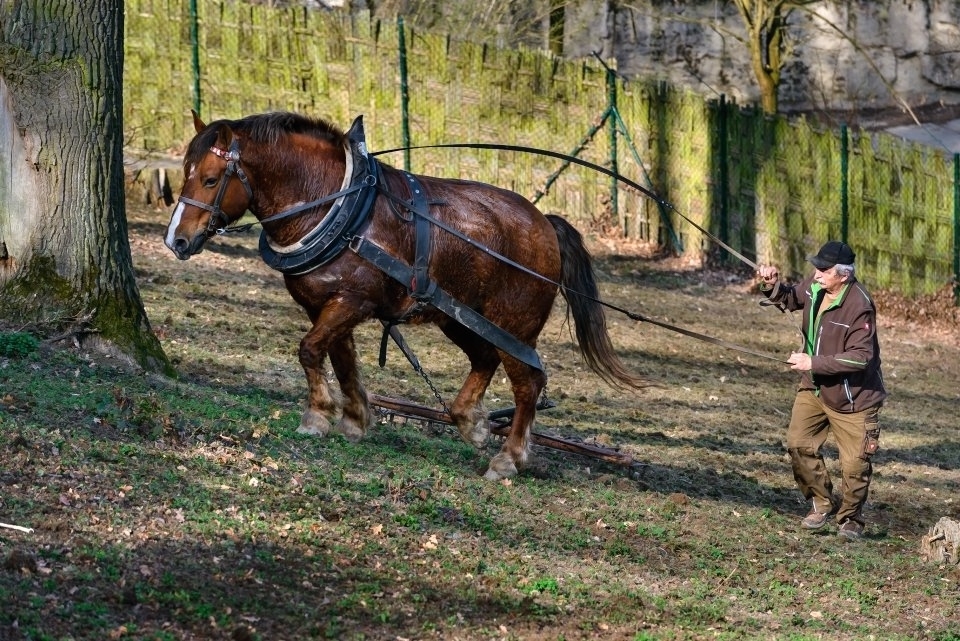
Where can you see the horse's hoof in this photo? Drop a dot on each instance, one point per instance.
(501, 467)
(350, 431)
(476, 434)
(315, 423)
(312, 431)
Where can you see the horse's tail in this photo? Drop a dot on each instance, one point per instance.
(579, 289)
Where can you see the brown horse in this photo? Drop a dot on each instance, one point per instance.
(359, 240)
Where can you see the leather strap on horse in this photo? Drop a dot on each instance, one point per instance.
(218, 218)
(425, 290)
(421, 287)
(469, 318)
(344, 219)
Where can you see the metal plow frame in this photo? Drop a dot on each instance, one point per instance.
(499, 423)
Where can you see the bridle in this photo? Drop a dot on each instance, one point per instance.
(218, 218)
(217, 225)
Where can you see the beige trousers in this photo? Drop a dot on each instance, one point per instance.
(856, 434)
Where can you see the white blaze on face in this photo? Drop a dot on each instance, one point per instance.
(172, 227)
(175, 218)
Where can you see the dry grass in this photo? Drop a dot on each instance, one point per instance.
(190, 509)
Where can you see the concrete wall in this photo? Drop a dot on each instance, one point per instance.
(843, 55)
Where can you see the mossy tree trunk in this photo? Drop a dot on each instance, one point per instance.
(64, 252)
(766, 26)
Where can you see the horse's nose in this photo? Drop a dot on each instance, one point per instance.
(180, 247)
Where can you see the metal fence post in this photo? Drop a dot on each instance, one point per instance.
(724, 177)
(844, 184)
(956, 229)
(404, 95)
(195, 51)
(612, 104)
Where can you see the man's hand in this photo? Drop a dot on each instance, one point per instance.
(768, 274)
(800, 362)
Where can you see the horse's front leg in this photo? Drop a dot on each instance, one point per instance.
(527, 384)
(332, 334)
(356, 417)
(321, 406)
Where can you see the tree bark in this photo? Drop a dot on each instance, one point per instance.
(64, 249)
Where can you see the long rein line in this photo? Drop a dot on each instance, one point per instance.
(372, 181)
(630, 314)
(584, 163)
(294, 210)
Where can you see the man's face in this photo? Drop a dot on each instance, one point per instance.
(829, 279)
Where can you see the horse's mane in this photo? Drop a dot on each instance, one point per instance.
(268, 128)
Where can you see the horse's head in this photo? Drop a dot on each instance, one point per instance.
(215, 191)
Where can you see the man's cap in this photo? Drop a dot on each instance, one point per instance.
(833, 253)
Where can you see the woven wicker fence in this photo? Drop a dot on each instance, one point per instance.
(777, 189)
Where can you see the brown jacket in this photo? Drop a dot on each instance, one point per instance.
(842, 343)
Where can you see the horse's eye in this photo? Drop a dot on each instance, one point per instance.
(210, 182)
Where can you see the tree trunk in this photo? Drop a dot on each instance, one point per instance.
(64, 252)
(765, 21)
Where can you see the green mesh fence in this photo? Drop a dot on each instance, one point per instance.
(779, 183)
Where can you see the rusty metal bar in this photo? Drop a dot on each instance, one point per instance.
(408, 409)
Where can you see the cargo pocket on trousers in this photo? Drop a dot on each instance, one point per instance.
(871, 443)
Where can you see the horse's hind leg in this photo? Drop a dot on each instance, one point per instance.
(527, 383)
(467, 411)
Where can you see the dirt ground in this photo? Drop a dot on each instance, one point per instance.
(191, 509)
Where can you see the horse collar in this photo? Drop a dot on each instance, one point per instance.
(346, 216)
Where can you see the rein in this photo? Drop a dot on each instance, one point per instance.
(585, 163)
(369, 181)
(632, 315)
(371, 184)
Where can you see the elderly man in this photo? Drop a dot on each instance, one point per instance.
(841, 386)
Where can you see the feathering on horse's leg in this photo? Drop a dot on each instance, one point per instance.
(321, 406)
(467, 411)
(356, 416)
(527, 383)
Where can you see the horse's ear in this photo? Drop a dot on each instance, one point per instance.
(197, 123)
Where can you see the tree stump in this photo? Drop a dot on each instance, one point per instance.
(942, 543)
(151, 186)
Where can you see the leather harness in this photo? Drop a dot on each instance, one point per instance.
(341, 228)
(338, 230)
